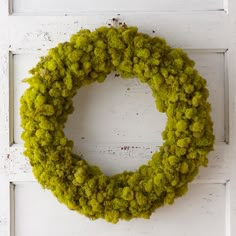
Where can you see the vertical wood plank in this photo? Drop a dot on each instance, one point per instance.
(5, 206)
(232, 115)
(4, 98)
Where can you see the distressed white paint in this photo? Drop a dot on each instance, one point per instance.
(116, 157)
(203, 30)
(186, 29)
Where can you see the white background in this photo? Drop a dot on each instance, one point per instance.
(115, 124)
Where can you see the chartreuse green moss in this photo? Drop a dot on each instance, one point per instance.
(179, 91)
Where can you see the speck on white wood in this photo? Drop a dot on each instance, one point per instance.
(115, 124)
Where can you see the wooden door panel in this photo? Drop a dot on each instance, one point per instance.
(70, 7)
(123, 131)
(129, 115)
(201, 212)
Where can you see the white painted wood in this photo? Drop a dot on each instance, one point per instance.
(232, 104)
(4, 8)
(72, 7)
(4, 104)
(200, 27)
(183, 30)
(201, 212)
(5, 210)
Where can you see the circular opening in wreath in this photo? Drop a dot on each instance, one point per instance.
(115, 123)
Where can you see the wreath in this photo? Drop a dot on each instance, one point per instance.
(179, 91)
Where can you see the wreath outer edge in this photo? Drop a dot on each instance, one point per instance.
(179, 91)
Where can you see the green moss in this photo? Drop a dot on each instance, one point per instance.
(184, 168)
(181, 125)
(183, 142)
(159, 179)
(127, 194)
(178, 90)
(173, 160)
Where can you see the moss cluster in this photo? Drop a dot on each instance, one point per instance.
(179, 91)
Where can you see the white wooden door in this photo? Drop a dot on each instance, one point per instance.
(118, 126)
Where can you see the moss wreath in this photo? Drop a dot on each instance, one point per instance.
(179, 91)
